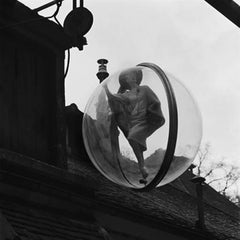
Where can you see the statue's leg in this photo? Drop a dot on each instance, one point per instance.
(139, 155)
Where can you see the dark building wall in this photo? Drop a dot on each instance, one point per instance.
(27, 99)
(32, 102)
(74, 137)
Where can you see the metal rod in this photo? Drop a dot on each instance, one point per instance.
(200, 223)
(47, 5)
(74, 4)
(81, 3)
(199, 191)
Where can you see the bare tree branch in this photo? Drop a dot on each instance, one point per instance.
(215, 180)
(224, 174)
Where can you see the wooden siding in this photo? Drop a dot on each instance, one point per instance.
(27, 99)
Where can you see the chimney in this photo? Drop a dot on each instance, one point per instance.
(199, 190)
(102, 72)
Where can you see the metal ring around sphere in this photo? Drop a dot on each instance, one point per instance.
(173, 127)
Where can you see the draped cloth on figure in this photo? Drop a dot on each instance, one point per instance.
(137, 113)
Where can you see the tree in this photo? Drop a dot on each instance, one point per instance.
(222, 175)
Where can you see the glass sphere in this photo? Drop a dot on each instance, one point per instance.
(141, 127)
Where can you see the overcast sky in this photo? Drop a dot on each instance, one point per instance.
(189, 39)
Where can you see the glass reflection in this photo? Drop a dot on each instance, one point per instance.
(189, 131)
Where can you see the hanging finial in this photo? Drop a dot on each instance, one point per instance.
(102, 72)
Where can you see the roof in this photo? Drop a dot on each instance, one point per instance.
(42, 202)
(36, 224)
(174, 205)
(39, 201)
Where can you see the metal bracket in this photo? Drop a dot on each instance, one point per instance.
(47, 5)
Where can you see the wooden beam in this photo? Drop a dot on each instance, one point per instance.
(228, 8)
